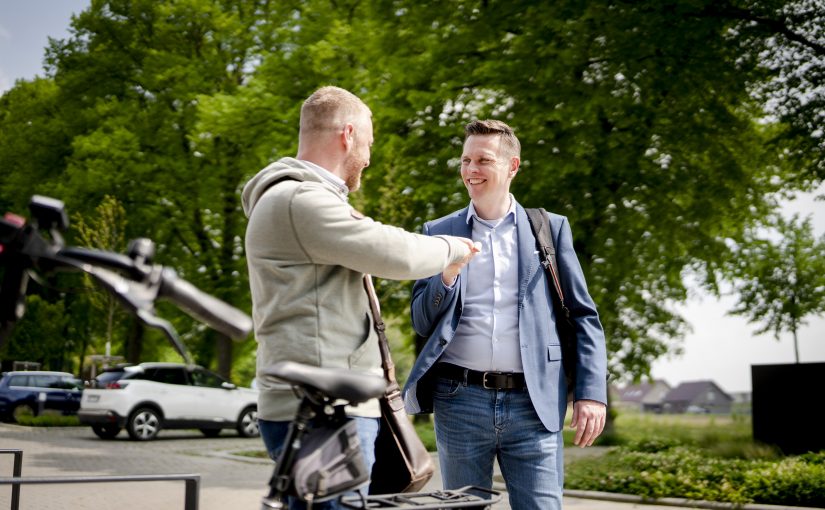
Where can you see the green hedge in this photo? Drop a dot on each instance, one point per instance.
(688, 472)
(48, 419)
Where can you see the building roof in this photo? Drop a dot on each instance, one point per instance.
(637, 392)
(689, 391)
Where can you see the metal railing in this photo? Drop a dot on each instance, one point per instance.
(192, 482)
(17, 472)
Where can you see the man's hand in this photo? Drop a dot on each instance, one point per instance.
(588, 419)
(451, 272)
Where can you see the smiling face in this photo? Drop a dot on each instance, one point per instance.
(487, 168)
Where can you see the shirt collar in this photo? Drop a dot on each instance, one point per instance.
(328, 176)
(471, 212)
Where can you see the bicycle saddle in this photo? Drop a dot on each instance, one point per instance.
(336, 383)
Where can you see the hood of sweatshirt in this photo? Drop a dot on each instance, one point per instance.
(285, 168)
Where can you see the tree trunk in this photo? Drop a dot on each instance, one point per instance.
(224, 351)
(134, 343)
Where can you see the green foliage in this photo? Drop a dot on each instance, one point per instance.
(104, 231)
(424, 429)
(644, 122)
(34, 143)
(39, 336)
(650, 432)
(684, 472)
(48, 419)
(709, 458)
(780, 283)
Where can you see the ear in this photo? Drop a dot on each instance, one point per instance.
(515, 162)
(348, 136)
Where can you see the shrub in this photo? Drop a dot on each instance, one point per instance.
(689, 472)
(47, 419)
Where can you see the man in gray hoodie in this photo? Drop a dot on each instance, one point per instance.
(308, 251)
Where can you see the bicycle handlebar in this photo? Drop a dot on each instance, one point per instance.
(223, 317)
(132, 278)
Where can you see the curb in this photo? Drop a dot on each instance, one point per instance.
(678, 502)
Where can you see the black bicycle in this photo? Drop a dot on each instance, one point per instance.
(322, 459)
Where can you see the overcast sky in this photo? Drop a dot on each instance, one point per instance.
(721, 348)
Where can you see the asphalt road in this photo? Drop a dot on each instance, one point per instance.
(227, 481)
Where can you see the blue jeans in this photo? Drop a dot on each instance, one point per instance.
(474, 426)
(274, 434)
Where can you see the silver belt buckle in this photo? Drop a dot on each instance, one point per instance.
(484, 381)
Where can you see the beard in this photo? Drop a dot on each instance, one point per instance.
(353, 166)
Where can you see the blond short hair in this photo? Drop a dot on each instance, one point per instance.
(330, 108)
(495, 127)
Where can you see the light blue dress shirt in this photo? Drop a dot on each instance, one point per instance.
(487, 337)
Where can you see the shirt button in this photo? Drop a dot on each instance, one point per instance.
(442, 341)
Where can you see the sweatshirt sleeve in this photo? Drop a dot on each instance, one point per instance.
(331, 232)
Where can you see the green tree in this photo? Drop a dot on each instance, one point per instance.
(34, 143)
(780, 282)
(39, 336)
(638, 122)
(663, 130)
(129, 79)
(104, 231)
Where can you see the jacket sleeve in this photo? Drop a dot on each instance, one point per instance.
(591, 363)
(430, 300)
(330, 231)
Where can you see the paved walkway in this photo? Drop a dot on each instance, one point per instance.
(227, 481)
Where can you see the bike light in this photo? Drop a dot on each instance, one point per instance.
(49, 213)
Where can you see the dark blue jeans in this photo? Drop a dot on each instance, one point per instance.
(274, 434)
(474, 426)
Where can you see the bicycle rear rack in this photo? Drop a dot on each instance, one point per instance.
(192, 482)
(436, 500)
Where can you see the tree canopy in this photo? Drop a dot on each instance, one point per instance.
(664, 130)
(780, 282)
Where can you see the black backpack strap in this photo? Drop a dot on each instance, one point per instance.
(540, 223)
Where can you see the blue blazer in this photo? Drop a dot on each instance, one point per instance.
(436, 312)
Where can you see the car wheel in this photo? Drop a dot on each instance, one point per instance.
(144, 424)
(23, 410)
(210, 432)
(248, 423)
(106, 431)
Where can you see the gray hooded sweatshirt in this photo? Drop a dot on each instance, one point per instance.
(307, 251)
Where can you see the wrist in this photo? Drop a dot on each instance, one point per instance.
(448, 280)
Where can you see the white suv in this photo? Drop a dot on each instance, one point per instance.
(148, 397)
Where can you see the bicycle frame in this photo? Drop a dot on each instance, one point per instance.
(319, 388)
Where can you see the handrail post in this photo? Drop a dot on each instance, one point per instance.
(191, 495)
(16, 472)
(192, 483)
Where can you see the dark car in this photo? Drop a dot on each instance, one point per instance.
(33, 392)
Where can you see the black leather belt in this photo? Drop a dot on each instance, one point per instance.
(489, 380)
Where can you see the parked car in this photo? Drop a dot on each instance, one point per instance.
(148, 397)
(32, 392)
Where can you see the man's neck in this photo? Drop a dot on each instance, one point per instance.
(323, 157)
(493, 210)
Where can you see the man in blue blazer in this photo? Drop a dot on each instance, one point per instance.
(491, 369)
